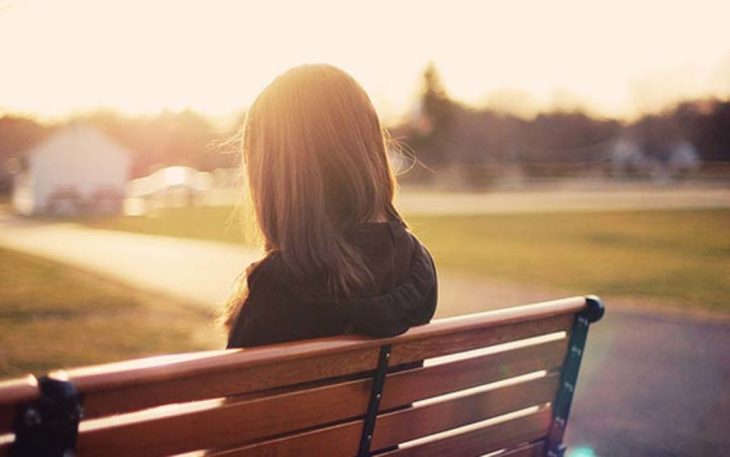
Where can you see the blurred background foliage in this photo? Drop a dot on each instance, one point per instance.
(439, 134)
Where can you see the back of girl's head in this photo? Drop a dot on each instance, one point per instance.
(317, 166)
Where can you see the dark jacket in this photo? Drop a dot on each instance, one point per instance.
(404, 292)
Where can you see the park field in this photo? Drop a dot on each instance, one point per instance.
(54, 316)
(673, 257)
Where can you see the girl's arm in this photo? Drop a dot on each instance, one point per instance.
(411, 303)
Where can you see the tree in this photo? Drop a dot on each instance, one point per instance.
(18, 134)
(435, 119)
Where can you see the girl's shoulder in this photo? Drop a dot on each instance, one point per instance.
(390, 233)
(271, 274)
(269, 268)
(385, 246)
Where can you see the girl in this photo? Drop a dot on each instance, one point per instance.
(338, 256)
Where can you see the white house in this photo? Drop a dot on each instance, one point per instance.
(77, 170)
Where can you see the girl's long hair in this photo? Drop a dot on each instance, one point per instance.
(316, 164)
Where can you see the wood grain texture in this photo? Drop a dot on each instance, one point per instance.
(405, 351)
(418, 421)
(102, 402)
(336, 441)
(14, 392)
(228, 424)
(5, 449)
(529, 450)
(405, 387)
(484, 440)
(137, 384)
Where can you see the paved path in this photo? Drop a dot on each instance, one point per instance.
(202, 272)
(195, 271)
(653, 386)
(562, 200)
(650, 385)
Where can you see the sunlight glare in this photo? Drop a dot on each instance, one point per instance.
(174, 176)
(142, 57)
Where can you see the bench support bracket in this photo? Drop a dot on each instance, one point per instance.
(49, 426)
(374, 404)
(564, 398)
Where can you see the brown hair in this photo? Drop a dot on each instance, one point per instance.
(316, 162)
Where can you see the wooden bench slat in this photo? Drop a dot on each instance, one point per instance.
(5, 449)
(134, 385)
(12, 393)
(496, 318)
(335, 441)
(528, 450)
(444, 344)
(405, 387)
(418, 421)
(227, 383)
(232, 423)
(258, 377)
(130, 386)
(483, 440)
(241, 422)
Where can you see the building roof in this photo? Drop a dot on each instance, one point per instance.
(80, 139)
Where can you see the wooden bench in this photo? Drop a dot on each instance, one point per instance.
(499, 380)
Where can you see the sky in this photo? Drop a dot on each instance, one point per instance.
(615, 58)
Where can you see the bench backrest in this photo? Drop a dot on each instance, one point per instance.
(461, 386)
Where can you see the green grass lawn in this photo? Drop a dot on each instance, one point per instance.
(54, 316)
(681, 256)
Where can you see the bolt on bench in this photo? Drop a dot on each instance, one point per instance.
(463, 386)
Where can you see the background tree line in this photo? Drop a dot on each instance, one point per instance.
(445, 132)
(441, 133)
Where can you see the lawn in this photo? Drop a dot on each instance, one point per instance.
(680, 256)
(54, 316)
